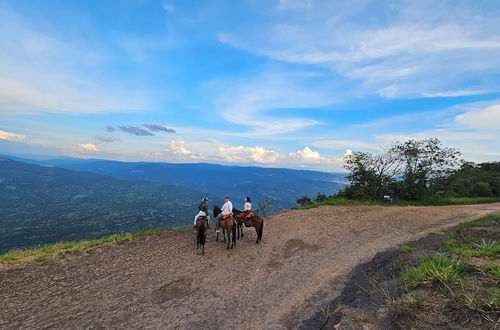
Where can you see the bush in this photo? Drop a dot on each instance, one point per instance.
(437, 267)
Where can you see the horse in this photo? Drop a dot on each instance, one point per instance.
(201, 232)
(254, 221)
(228, 226)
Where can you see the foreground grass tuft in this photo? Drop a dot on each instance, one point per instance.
(407, 248)
(435, 268)
(62, 249)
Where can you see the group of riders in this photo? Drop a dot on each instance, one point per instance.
(226, 212)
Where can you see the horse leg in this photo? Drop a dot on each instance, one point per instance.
(217, 237)
(224, 233)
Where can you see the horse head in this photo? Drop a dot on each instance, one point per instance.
(216, 210)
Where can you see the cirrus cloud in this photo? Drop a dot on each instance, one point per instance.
(9, 136)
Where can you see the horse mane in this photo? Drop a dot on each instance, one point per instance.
(216, 210)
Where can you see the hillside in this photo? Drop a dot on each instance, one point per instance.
(41, 205)
(284, 186)
(159, 281)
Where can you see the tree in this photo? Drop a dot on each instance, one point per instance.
(406, 170)
(263, 206)
(423, 162)
(304, 200)
(320, 198)
(370, 175)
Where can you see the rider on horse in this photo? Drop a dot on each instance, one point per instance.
(247, 211)
(202, 210)
(227, 211)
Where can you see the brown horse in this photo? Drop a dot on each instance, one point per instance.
(201, 233)
(228, 226)
(253, 221)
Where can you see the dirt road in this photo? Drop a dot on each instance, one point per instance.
(160, 282)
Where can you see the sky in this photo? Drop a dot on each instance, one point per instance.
(275, 83)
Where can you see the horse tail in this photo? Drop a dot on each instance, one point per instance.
(235, 227)
(261, 230)
(201, 235)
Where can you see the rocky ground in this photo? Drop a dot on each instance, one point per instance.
(160, 281)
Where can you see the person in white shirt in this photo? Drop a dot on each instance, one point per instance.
(247, 210)
(227, 211)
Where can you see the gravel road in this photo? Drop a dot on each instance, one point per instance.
(160, 282)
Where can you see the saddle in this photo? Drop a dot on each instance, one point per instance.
(226, 216)
(202, 218)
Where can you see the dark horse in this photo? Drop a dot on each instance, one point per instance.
(228, 226)
(201, 233)
(253, 221)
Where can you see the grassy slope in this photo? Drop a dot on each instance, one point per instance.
(434, 202)
(61, 249)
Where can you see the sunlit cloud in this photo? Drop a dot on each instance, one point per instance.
(9, 136)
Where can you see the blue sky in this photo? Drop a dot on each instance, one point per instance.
(280, 83)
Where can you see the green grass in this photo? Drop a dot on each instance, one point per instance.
(337, 201)
(407, 248)
(487, 300)
(435, 268)
(428, 202)
(489, 220)
(490, 270)
(62, 249)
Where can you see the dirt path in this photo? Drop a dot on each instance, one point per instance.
(159, 282)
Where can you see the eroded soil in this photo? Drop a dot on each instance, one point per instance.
(160, 281)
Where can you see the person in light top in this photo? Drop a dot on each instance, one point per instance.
(227, 211)
(202, 210)
(247, 210)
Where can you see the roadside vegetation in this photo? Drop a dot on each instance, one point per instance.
(415, 172)
(449, 280)
(62, 249)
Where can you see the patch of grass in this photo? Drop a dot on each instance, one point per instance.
(63, 249)
(471, 247)
(489, 220)
(436, 267)
(407, 306)
(482, 301)
(359, 319)
(428, 202)
(337, 201)
(490, 270)
(407, 248)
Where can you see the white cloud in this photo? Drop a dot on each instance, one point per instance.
(9, 136)
(43, 73)
(455, 93)
(482, 119)
(242, 154)
(305, 154)
(263, 104)
(419, 47)
(177, 147)
(87, 147)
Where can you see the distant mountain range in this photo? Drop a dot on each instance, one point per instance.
(71, 198)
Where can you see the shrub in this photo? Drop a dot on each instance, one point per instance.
(437, 267)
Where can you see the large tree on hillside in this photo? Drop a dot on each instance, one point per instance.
(423, 162)
(407, 169)
(371, 175)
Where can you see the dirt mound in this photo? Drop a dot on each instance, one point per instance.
(160, 281)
